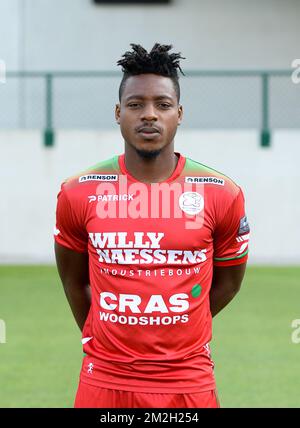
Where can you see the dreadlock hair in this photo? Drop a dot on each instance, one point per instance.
(157, 61)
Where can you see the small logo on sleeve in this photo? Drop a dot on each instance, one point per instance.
(244, 226)
(98, 177)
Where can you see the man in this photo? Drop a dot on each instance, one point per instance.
(149, 246)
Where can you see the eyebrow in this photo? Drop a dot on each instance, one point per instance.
(141, 97)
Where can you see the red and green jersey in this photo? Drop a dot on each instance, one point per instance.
(152, 248)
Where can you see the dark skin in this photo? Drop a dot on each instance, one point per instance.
(74, 274)
(149, 102)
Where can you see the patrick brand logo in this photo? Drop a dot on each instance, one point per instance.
(109, 198)
(98, 177)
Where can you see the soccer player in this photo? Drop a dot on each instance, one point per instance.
(150, 245)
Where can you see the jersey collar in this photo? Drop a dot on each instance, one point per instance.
(177, 171)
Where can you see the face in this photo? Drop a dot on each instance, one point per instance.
(149, 112)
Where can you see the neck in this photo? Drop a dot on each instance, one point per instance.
(152, 170)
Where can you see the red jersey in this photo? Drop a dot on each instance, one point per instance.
(152, 248)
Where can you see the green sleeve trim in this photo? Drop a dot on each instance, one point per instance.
(221, 259)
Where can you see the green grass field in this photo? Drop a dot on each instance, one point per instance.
(257, 365)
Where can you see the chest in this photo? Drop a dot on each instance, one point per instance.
(149, 219)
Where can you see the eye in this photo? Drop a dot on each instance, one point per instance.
(165, 105)
(133, 105)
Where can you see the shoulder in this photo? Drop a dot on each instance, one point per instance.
(104, 171)
(212, 180)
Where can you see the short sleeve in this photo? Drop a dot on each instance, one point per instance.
(232, 235)
(69, 230)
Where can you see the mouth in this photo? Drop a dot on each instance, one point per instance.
(148, 132)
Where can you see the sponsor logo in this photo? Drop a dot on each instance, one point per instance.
(133, 309)
(115, 247)
(244, 226)
(98, 177)
(169, 272)
(132, 302)
(109, 198)
(205, 180)
(191, 203)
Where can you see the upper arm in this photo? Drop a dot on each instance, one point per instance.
(228, 277)
(73, 267)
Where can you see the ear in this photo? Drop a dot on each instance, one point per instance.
(117, 113)
(180, 114)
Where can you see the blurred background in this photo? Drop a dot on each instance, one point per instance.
(241, 97)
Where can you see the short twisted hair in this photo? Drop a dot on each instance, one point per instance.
(157, 61)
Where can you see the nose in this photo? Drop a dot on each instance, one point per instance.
(149, 113)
